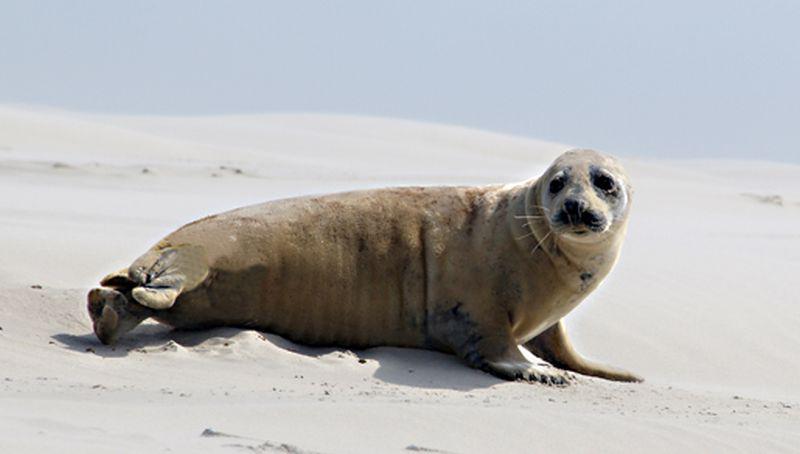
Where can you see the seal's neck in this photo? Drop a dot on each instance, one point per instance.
(596, 258)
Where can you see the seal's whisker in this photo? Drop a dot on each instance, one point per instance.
(525, 236)
(529, 217)
(541, 242)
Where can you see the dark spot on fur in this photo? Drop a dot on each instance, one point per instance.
(423, 250)
(502, 204)
(586, 280)
(472, 213)
(362, 244)
(454, 330)
(396, 236)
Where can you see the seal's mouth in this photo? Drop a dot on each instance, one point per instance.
(580, 235)
(579, 223)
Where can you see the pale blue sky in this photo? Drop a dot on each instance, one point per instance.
(673, 78)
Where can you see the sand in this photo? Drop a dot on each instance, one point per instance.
(703, 303)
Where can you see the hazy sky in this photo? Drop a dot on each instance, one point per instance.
(673, 78)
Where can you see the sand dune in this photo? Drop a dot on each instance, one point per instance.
(702, 303)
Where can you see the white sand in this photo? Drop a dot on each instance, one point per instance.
(703, 302)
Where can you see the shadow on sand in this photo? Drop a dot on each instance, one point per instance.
(426, 369)
(398, 366)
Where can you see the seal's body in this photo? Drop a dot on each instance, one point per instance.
(475, 271)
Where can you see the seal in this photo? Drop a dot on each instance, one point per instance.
(472, 271)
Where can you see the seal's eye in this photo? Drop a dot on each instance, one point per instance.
(556, 185)
(604, 183)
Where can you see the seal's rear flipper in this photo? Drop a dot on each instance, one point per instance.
(554, 346)
(162, 274)
(112, 314)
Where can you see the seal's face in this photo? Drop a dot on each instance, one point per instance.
(585, 196)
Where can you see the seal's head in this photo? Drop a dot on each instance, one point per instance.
(584, 196)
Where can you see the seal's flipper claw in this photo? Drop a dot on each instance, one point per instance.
(167, 272)
(521, 369)
(119, 280)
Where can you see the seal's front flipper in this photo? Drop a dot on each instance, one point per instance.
(163, 274)
(488, 346)
(514, 366)
(156, 298)
(554, 346)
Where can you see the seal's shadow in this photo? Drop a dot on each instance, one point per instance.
(399, 366)
(146, 335)
(426, 369)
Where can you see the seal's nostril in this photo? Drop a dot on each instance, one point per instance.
(592, 219)
(573, 208)
(578, 212)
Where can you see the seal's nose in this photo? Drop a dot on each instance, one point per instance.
(577, 211)
(593, 220)
(574, 208)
